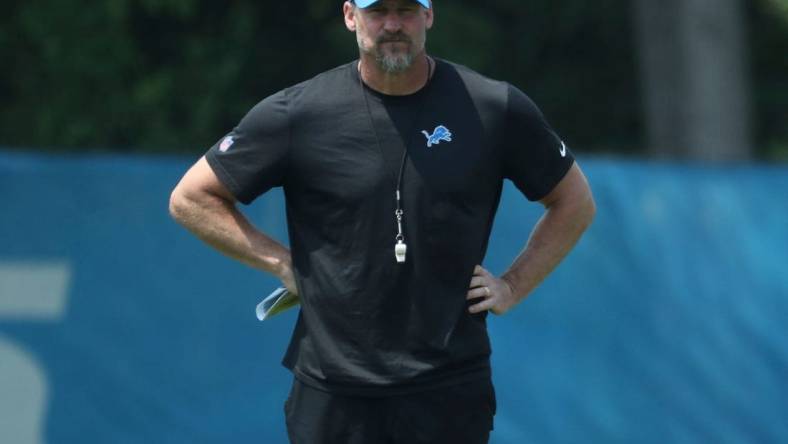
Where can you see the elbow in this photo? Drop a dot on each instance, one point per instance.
(189, 206)
(177, 206)
(588, 211)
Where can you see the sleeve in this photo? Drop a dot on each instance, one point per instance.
(535, 159)
(252, 158)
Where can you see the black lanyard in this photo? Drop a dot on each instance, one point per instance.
(400, 247)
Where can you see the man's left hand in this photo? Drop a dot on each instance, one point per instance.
(496, 294)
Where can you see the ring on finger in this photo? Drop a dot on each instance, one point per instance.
(487, 291)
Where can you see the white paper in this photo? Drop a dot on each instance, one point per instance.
(278, 301)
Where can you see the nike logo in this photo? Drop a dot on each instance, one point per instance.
(563, 149)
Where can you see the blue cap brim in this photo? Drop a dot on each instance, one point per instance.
(368, 3)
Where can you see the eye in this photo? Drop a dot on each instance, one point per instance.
(408, 11)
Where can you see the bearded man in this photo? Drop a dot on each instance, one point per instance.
(392, 168)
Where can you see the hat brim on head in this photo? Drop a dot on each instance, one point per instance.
(368, 3)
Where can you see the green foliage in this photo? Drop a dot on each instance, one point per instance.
(769, 56)
(573, 58)
(175, 75)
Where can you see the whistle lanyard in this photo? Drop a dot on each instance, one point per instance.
(400, 247)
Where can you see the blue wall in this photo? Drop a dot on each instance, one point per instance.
(667, 324)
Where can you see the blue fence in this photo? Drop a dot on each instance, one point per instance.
(667, 324)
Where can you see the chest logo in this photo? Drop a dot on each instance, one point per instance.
(440, 134)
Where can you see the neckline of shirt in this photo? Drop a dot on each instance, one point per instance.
(396, 98)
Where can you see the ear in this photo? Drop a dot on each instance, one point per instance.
(349, 11)
(430, 15)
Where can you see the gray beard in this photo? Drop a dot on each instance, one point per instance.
(394, 64)
(390, 64)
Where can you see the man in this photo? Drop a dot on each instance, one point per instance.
(392, 169)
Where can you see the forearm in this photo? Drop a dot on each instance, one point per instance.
(552, 238)
(220, 224)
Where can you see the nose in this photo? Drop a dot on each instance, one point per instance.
(392, 23)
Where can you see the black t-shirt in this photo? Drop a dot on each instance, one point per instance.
(370, 325)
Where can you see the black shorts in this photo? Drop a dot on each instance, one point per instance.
(461, 414)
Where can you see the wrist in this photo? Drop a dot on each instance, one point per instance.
(507, 280)
(281, 267)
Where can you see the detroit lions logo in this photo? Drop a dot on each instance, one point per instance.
(441, 134)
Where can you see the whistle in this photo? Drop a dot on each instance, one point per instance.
(399, 251)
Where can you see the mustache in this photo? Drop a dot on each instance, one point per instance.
(398, 37)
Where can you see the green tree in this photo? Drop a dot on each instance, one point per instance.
(175, 75)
